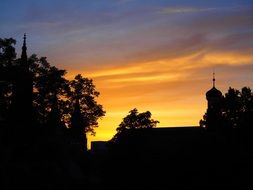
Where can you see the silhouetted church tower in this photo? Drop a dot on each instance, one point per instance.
(214, 98)
(21, 107)
(78, 137)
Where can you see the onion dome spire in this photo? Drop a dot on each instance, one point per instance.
(213, 92)
(214, 79)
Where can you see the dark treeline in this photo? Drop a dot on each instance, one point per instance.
(234, 111)
(218, 154)
(44, 119)
(52, 92)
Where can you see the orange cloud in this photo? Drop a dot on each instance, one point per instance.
(172, 89)
(148, 69)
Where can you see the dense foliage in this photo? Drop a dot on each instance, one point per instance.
(51, 90)
(135, 120)
(236, 110)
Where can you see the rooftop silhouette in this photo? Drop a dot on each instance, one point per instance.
(44, 120)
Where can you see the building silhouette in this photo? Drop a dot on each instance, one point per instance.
(78, 139)
(18, 120)
(214, 108)
(34, 154)
(185, 157)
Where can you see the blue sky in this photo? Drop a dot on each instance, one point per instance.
(56, 21)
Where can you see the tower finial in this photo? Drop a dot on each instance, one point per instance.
(24, 38)
(213, 79)
(24, 48)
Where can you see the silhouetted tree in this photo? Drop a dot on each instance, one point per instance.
(7, 52)
(86, 111)
(50, 87)
(52, 92)
(237, 110)
(246, 119)
(135, 120)
(7, 60)
(232, 108)
(53, 104)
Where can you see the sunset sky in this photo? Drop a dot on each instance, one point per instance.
(155, 55)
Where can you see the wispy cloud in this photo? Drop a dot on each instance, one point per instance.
(139, 54)
(180, 10)
(123, 1)
(188, 10)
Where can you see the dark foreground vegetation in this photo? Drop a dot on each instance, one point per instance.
(44, 119)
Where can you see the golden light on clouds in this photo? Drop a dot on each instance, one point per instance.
(160, 59)
(157, 56)
(228, 58)
(165, 87)
(172, 89)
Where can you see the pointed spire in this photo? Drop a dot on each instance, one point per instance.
(24, 48)
(213, 79)
(76, 117)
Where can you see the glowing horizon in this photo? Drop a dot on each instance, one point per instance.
(151, 55)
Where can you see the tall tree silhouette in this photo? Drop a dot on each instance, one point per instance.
(7, 52)
(86, 111)
(54, 97)
(7, 60)
(232, 108)
(37, 106)
(246, 119)
(50, 86)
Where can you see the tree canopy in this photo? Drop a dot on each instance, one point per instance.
(82, 98)
(236, 109)
(53, 94)
(135, 120)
